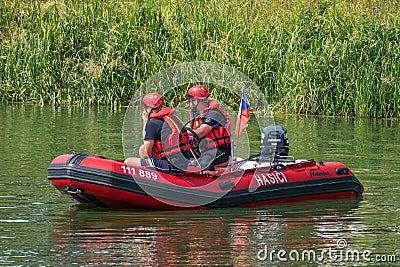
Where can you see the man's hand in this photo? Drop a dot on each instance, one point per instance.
(146, 149)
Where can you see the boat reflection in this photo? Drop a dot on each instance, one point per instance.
(228, 237)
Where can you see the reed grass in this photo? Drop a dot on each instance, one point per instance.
(313, 57)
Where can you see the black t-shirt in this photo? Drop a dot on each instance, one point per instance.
(215, 118)
(154, 128)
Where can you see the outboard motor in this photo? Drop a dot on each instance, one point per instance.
(274, 144)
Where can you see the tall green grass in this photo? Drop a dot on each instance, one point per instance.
(314, 57)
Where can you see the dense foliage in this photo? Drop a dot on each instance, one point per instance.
(315, 57)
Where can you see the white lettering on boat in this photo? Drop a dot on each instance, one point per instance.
(141, 173)
(270, 178)
(128, 170)
(147, 174)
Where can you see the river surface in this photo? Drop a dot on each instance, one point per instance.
(40, 227)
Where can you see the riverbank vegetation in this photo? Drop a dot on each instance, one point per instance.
(315, 57)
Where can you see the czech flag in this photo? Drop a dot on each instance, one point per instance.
(243, 115)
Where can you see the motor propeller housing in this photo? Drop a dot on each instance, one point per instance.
(274, 143)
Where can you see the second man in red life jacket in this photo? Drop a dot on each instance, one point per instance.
(212, 126)
(166, 147)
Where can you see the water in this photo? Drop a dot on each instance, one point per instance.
(39, 227)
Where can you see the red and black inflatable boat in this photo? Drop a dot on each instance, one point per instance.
(111, 183)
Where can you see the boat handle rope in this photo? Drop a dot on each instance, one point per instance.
(73, 191)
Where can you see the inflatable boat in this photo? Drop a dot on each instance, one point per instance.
(110, 183)
(261, 179)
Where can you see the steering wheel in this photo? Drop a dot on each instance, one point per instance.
(196, 139)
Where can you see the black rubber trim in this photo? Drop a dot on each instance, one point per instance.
(289, 190)
(127, 183)
(195, 196)
(76, 159)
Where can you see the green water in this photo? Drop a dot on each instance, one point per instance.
(39, 227)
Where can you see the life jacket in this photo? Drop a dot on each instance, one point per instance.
(176, 142)
(217, 136)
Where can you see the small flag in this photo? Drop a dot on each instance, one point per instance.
(243, 115)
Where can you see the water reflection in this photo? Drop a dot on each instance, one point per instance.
(36, 228)
(230, 237)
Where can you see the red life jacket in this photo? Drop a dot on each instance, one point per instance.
(217, 136)
(176, 142)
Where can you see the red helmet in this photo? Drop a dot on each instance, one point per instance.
(197, 91)
(153, 100)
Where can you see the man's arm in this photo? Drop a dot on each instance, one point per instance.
(203, 130)
(145, 117)
(145, 150)
(212, 120)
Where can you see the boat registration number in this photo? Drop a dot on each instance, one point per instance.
(270, 178)
(139, 172)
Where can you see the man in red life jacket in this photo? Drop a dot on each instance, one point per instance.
(212, 126)
(166, 146)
